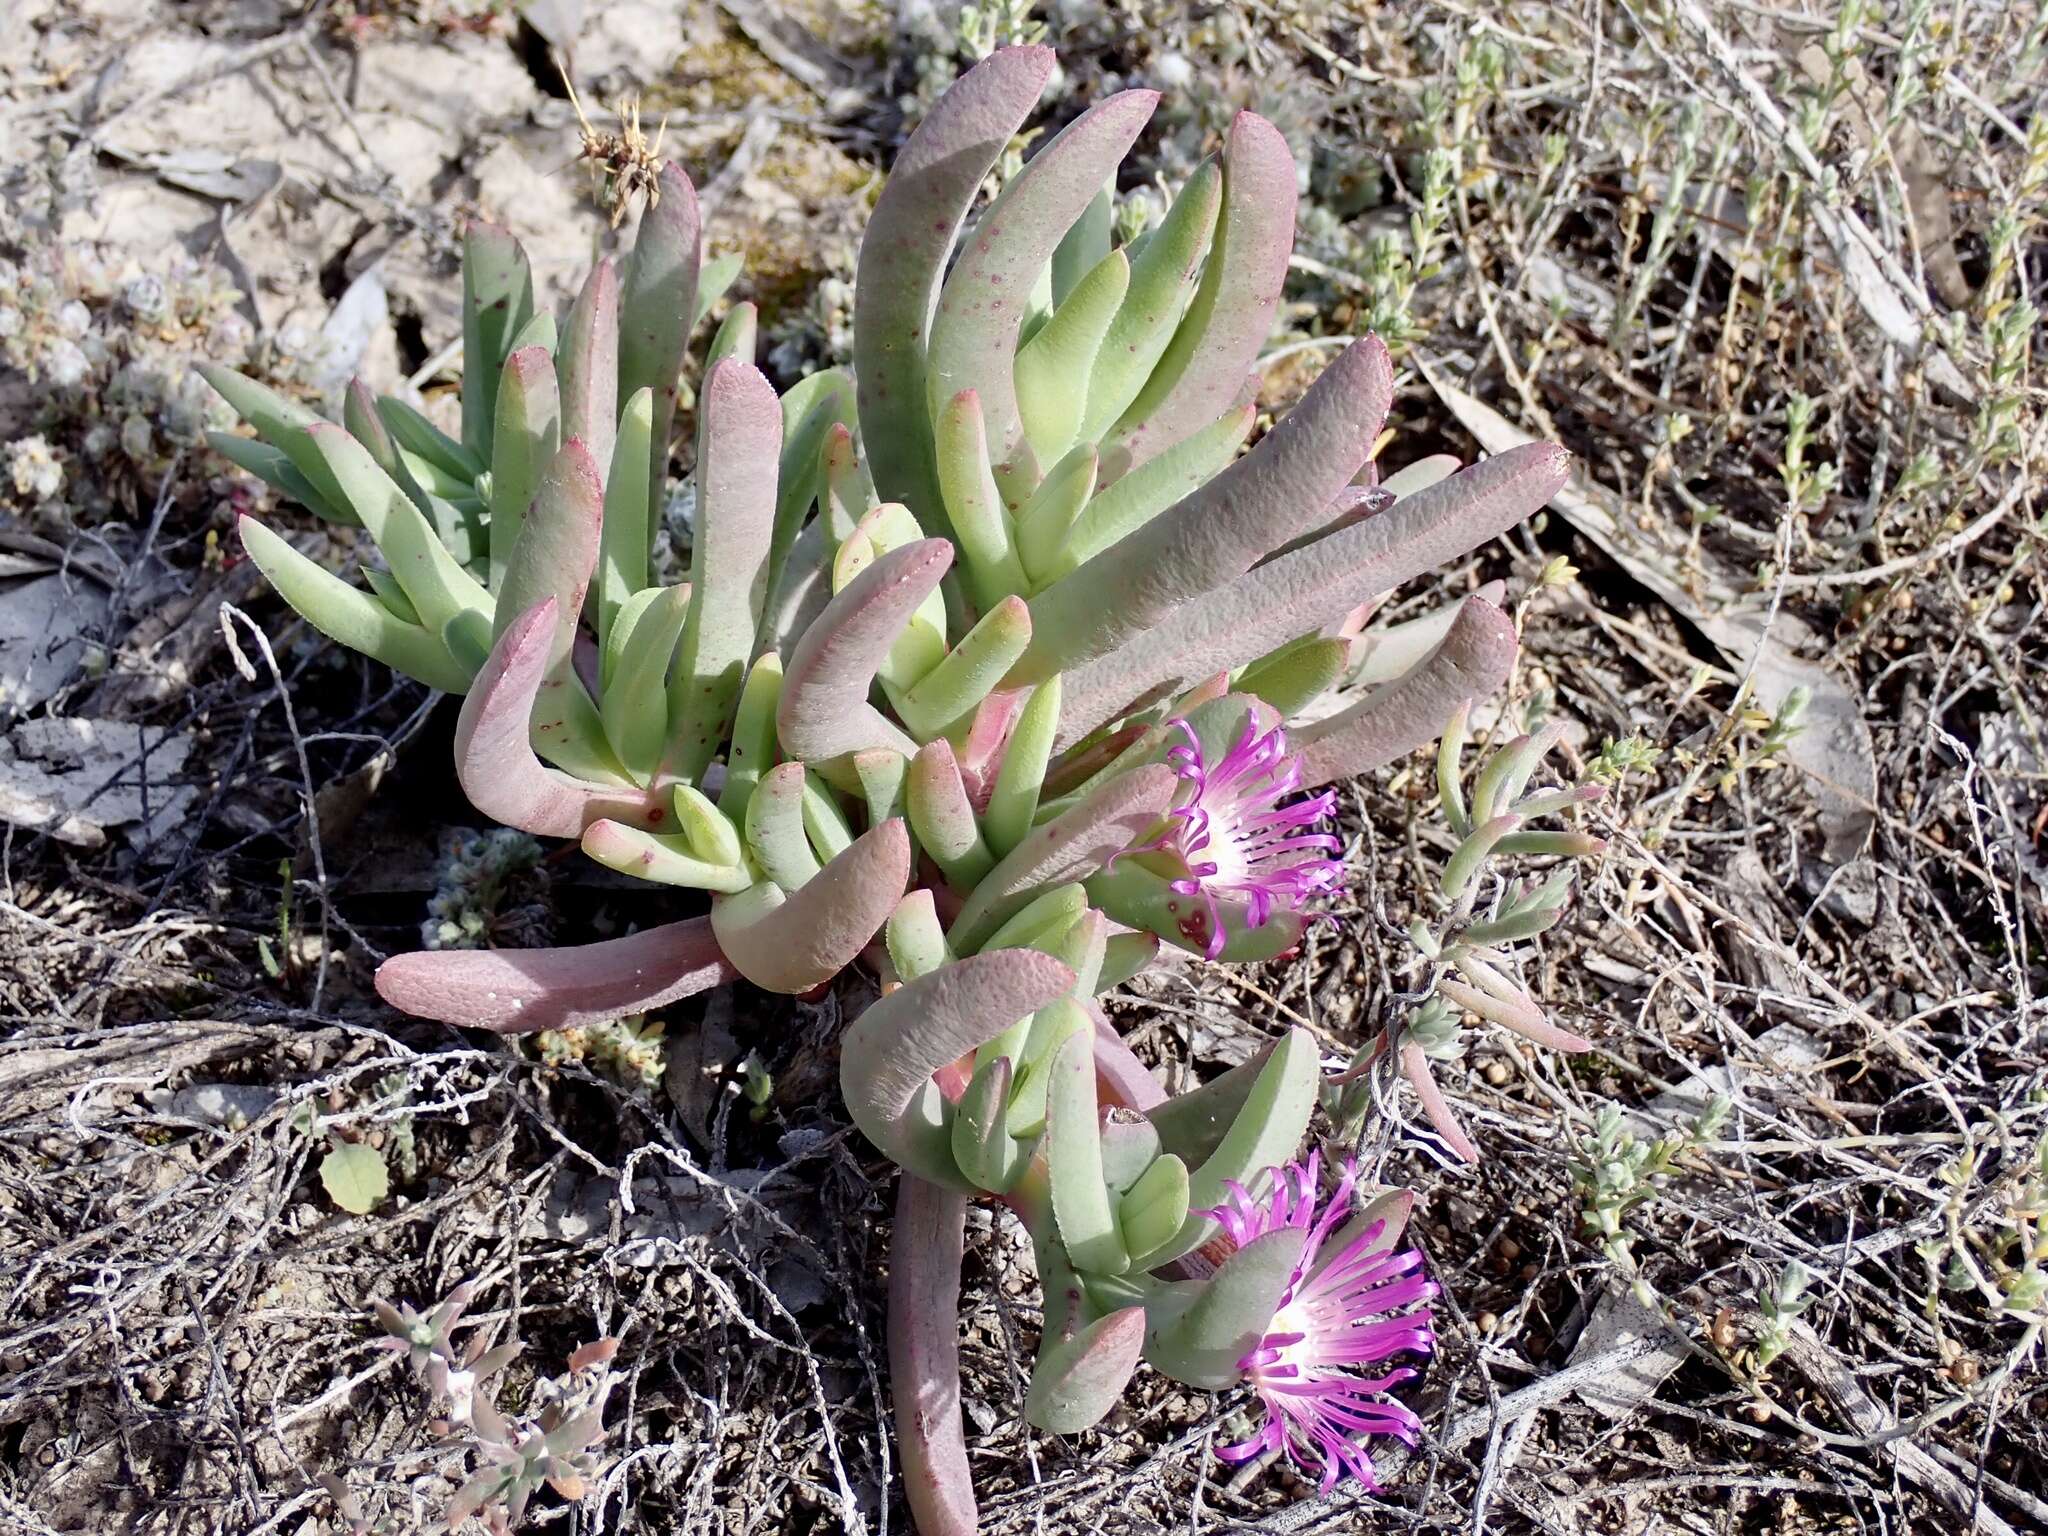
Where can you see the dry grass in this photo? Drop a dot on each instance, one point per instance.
(1638, 254)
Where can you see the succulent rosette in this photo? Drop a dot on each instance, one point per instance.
(989, 650)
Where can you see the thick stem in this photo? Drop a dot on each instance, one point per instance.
(924, 1357)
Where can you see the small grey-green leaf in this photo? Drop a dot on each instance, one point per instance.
(355, 1177)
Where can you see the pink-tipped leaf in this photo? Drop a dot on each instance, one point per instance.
(903, 259)
(1475, 658)
(589, 364)
(796, 940)
(889, 1054)
(974, 332)
(1313, 586)
(517, 991)
(739, 442)
(924, 1357)
(1231, 315)
(494, 756)
(1216, 533)
(824, 711)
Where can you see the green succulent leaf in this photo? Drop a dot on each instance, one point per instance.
(497, 303)
(917, 218)
(351, 617)
(741, 439)
(1202, 1342)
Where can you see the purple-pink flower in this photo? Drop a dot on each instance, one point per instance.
(1341, 1311)
(1236, 838)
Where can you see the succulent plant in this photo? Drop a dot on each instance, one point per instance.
(990, 650)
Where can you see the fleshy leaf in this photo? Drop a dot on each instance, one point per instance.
(1070, 847)
(924, 1356)
(974, 504)
(738, 445)
(1231, 315)
(1265, 1134)
(494, 755)
(1202, 1344)
(667, 858)
(775, 827)
(1295, 676)
(949, 693)
(589, 364)
(1163, 277)
(1216, 533)
(929, 190)
(634, 704)
(657, 307)
(557, 550)
(1381, 655)
(987, 1154)
(1013, 801)
(974, 330)
(1154, 1209)
(792, 942)
(1043, 523)
(735, 336)
(1130, 1142)
(274, 467)
(1315, 585)
(943, 819)
(517, 991)
(916, 939)
(1081, 1200)
(1064, 350)
(1078, 1379)
(438, 587)
(497, 302)
(824, 711)
(810, 409)
(890, 1052)
(1123, 508)
(624, 540)
(349, 616)
(1473, 661)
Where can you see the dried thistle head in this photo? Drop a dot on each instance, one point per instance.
(627, 164)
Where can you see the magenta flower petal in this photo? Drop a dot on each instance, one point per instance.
(1341, 1311)
(1237, 840)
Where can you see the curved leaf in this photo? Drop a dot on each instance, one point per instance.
(903, 258)
(890, 1052)
(1475, 658)
(792, 942)
(494, 758)
(1203, 1344)
(824, 710)
(1314, 585)
(517, 991)
(1216, 533)
(974, 330)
